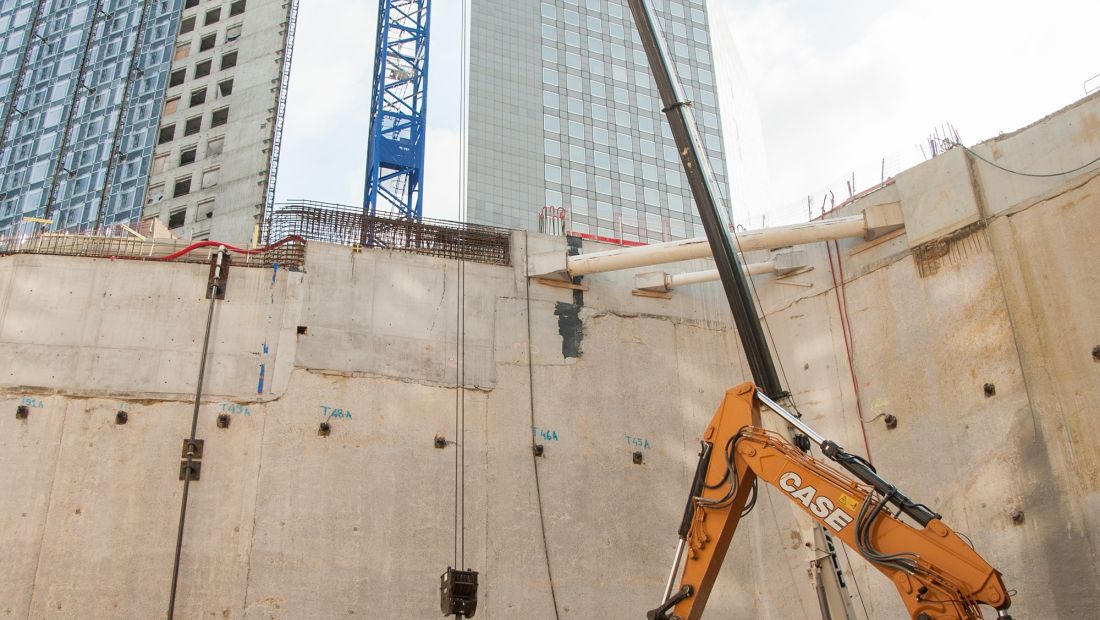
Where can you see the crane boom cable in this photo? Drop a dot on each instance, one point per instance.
(461, 262)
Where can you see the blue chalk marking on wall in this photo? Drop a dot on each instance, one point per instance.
(265, 347)
(274, 271)
(638, 442)
(260, 385)
(33, 403)
(335, 412)
(545, 434)
(236, 409)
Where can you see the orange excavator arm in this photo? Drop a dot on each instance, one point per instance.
(938, 575)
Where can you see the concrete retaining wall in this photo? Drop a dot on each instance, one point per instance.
(289, 524)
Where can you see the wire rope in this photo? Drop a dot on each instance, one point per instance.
(462, 180)
(1040, 175)
(458, 393)
(767, 327)
(534, 457)
(855, 581)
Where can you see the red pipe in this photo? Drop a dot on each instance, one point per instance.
(845, 328)
(206, 244)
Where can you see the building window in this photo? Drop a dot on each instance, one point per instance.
(229, 60)
(206, 208)
(187, 25)
(182, 186)
(210, 177)
(213, 16)
(155, 195)
(182, 50)
(198, 97)
(160, 162)
(170, 105)
(676, 203)
(166, 134)
(233, 33)
(214, 146)
(190, 4)
(236, 8)
(220, 117)
(207, 42)
(225, 88)
(187, 155)
(576, 154)
(177, 77)
(177, 217)
(202, 69)
(193, 125)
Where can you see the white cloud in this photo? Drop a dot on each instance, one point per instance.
(831, 104)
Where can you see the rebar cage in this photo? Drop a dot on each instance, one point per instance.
(116, 242)
(344, 225)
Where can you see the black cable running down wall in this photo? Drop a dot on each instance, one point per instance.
(214, 286)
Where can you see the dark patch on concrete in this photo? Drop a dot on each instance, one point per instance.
(569, 315)
(574, 250)
(570, 328)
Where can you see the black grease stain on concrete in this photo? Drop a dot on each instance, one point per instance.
(569, 315)
(575, 249)
(570, 328)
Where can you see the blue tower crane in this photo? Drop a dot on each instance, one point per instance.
(395, 151)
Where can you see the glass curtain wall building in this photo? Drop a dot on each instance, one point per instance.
(82, 83)
(564, 113)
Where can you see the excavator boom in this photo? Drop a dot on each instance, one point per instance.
(937, 574)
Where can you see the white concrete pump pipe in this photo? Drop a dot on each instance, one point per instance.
(711, 275)
(687, 249)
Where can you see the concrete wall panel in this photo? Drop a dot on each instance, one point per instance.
(289, 524)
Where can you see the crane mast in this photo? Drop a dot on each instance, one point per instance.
(398, 117)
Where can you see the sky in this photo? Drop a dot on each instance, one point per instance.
(813, 92)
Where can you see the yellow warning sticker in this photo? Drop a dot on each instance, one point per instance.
(848, 502)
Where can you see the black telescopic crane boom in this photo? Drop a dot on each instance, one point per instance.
(707, 198)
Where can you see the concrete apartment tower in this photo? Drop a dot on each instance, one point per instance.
(564, 113)
(213, 163)
(68, 72)
(117, 109)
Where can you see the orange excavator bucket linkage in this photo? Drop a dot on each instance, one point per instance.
(936, 573)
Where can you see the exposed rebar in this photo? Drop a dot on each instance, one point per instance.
(343, 225)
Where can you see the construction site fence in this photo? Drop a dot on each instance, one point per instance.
(290, 254)
(344, 225)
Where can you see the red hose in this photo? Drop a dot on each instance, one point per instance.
(206, 244)
(846, 330)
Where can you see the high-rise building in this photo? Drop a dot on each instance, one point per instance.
(217, 145)
(564, 113)
(198, 87)
(69, 71)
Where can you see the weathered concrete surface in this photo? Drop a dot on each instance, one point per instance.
(104, 327)
(288, 524)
